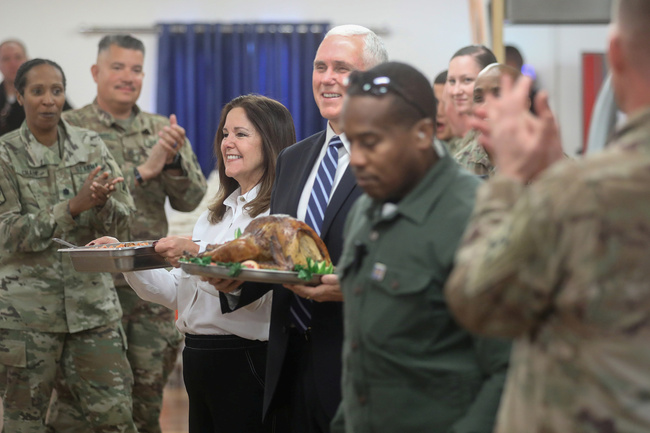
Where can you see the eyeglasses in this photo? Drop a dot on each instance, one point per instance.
(379, 86)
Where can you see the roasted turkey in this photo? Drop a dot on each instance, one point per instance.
(274, 242)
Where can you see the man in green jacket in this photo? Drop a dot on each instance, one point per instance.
(407, 365)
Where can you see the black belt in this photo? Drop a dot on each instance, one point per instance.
(220, 341)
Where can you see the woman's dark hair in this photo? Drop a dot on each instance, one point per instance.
(274, 123)
(481, 54)
(20, 82)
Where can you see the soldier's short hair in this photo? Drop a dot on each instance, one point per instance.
(20, 81)
(122, 41)
(412, 94)
(441, 78)
(513, 56)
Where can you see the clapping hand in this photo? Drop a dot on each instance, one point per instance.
(95, 191)
(170, 141)
(172, 138)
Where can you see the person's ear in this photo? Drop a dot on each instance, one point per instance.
(615, 53)
(20, 99)
(94, 70)
(424, 131)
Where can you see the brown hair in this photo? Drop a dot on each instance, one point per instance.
(482, 55)
(274, 123)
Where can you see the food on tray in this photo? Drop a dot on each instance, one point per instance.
(125, 245)
(277, 242)
(116, 257)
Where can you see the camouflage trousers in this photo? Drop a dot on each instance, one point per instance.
(153, 344)
(93, 363)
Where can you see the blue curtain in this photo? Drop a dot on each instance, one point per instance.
(201, 67)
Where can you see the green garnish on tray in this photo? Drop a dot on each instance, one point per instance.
(204, 261)
(234, 269)
(306, 273)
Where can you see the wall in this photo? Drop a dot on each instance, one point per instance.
(555, 52)
(424, 34)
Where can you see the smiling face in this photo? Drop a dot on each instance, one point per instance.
(118, 74)
(43, 98)
(461, 76)
(388, 159)
(336, 57)
(241, 150)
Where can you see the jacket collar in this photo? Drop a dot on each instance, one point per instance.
(416, 205)
(107, 119)
(72, 153)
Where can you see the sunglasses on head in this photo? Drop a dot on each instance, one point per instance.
(379, 86)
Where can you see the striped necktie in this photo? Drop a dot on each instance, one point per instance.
(320, 194)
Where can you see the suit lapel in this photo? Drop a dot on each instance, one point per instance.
(305, 164)
(341, 193)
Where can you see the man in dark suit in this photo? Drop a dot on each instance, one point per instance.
(303, 374)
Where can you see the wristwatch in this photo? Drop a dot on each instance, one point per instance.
(176, 163)
(138, 176)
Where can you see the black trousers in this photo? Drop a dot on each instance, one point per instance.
(297, 407)
(224, 379)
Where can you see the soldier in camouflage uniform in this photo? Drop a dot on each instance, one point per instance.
(50, 315)
(562, 265)
(444, 131)
(472, 155)
(143, 145)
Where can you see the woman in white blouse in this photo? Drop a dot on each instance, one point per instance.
(225, 354)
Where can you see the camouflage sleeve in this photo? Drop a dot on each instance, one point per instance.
(493, 356)
(507, 265)
(114, 218)
(185, 192)
(21, 230)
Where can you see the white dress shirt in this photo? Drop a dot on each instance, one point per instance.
(199, 313)
(344, 161)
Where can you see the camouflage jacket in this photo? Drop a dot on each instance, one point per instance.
(453, 144)
(131, 148)
(563, 266)
(39, 288)
(473, 157)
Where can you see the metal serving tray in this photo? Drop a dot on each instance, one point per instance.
(254, 275)
(109, 258)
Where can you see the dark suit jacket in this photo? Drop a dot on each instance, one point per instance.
(293, 167)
